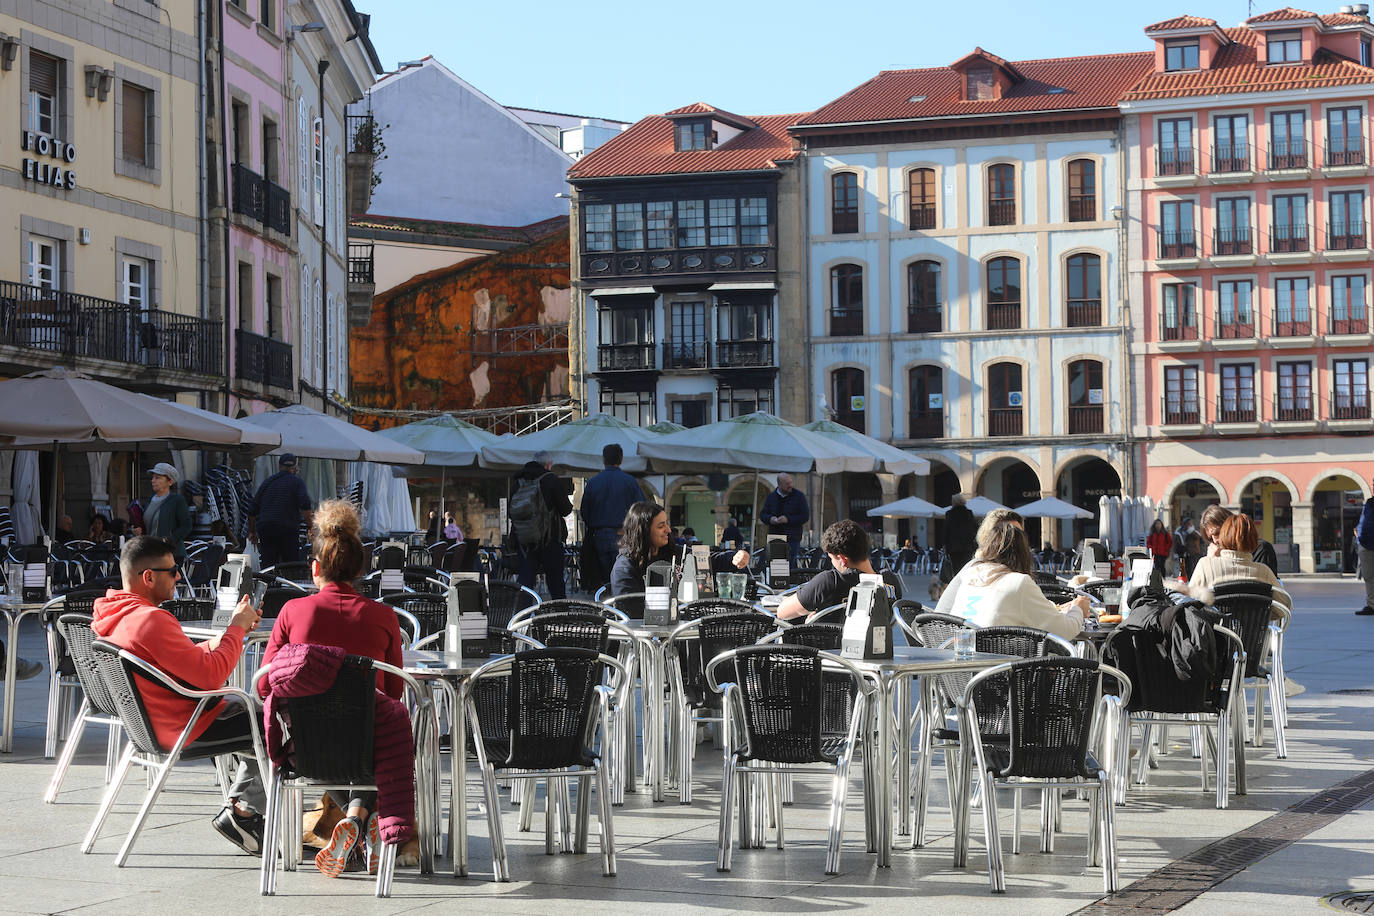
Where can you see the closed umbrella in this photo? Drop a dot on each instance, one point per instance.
(24, 512)
(1052, 507)
(574, 446)
(910, 507)
(309, 433)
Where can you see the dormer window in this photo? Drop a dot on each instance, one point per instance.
(980, 84)
(1284, 47)
(1181, 54)
(694, 135)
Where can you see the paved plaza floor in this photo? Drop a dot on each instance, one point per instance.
(1292, 840)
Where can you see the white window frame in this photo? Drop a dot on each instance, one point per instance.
(317, 145)
(134, 291)
(44, 268)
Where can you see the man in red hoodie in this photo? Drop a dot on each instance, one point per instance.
(131, 619)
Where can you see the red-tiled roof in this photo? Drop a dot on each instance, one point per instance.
(980, 54)
(701, 108)
(1340, 19)
(1181, 22)
(1088, 82)
(647, 149)
(1287, 14)
(1236, 70)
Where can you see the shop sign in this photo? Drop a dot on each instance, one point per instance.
(50, 166)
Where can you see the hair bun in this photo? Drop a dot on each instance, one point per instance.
(337, 519)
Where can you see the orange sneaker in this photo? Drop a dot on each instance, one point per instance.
(332, 860)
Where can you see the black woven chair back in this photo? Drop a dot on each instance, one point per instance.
(631, 604)
(204, 564)
(430, 610)
(126, 702)
(908, 610)
(717, 633)
(76, 632)
(782, 695)
(1144, 657)
(1051, 705)
(1248, 616)
(392, 557)
(423, 579)
(1243, 587)
(991, 698)
(331, 732)
(1045, 577)
(1096, 589)
(824, 636)
(570, 630)
(570, 606)
(293, 571)
(276, 597)
(934, 629)
(504, 599)
(186, 609)
(550, 703)
(705, 607)
(1059, 594)
(436, 553)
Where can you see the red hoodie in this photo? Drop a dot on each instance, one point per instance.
(155, 636)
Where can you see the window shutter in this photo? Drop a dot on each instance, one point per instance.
(43, 72)
(135, 123)
(302, 156)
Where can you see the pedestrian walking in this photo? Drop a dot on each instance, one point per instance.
(605, 500)
(275, 514)
(536, 511)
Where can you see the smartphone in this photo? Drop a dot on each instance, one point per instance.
(259, 593)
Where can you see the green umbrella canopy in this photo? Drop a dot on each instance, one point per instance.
(887, 459)
(755, 442)
(574, 446)
(446, 440)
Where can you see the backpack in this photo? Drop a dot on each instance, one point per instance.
(530, 517)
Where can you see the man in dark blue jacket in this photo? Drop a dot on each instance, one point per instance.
(276, 513)
(786, 512)
(605, 500)
(1364, 534)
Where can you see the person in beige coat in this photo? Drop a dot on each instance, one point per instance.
(1233, 563)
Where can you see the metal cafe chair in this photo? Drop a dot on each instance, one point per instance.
(97, 705)
(777, 708)
(1261, 622)
(63, 683)
(1056, 714)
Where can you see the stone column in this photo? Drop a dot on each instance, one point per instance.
(1304, 535)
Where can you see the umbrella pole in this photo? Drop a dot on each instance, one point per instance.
(820, 509)
(754, 515)
(52, 490)
(443, 472)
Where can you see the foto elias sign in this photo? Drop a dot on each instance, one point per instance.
(54, 174)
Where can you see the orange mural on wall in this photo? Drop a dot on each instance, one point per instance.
(487, 333)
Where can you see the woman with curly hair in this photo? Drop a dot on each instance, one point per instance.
(644, 539)
(338, 616)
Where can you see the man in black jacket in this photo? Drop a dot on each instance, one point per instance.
(960, 537)
(547, 554)
(786, 512)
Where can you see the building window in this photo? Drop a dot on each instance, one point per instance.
(135, 276)
(658, 218)
(267, 14)
(629, 227)
(1292, 313)
(1344, 136)
(753, 221)
(921, 199)
(687, 345)
(979, 84)
(1175, 153)
(244, 288)
(1181, 54)
(926, 386)
(846, 300)
(1005, 399)
(1346, 231)
(925, 311)
(691, 412)
(1233, 227)
(693, 135)
(1289, 223)
(1235, 309)
(1348, 315)
(851, 394)
(626, 337)
(1230, 143)
(1179, 319)
(135, 119)
(1004, 294)
(1082, 191)
(45, 263)
(239, 133)
(1002, 195)
(723, 221)
(744, 335)
(734, 402)
(1237, 393)
(1350, 391)
(1295, 392)
(45, 93)
(271, 151)
(634, 407)
(1084, 308)
(276, 324)
(1283, 47)
(1288, 140)
(844, 202)
(1086, 397)
(597, 234)
(1181, 395)
(691, 223)
(317, 144)
(1364, 52)
(1176, 237)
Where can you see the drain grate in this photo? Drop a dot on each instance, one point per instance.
(1350, 901)
(1185, 879)
(1353, 691)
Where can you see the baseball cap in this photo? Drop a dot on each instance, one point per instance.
(166, 470)
(286, 461)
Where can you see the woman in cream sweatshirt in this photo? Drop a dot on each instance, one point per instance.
(1232, 563)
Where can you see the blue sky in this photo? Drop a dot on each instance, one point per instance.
(623, 60)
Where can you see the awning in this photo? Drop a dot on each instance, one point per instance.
(624, 291)
(743, 285)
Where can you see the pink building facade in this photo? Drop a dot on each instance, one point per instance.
(1250, 265)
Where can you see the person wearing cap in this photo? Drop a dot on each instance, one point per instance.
(167, 515)
(275, 513)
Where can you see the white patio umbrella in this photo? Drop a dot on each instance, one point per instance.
(910, 507)
(308, 433)
(574, 446)
(1052, 507)
(446, 441)
(979, 506)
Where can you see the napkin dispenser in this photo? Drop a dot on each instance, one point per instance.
(467, 615)
(779, 562)
(659, 607)
(688, 589)
(868, 620)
